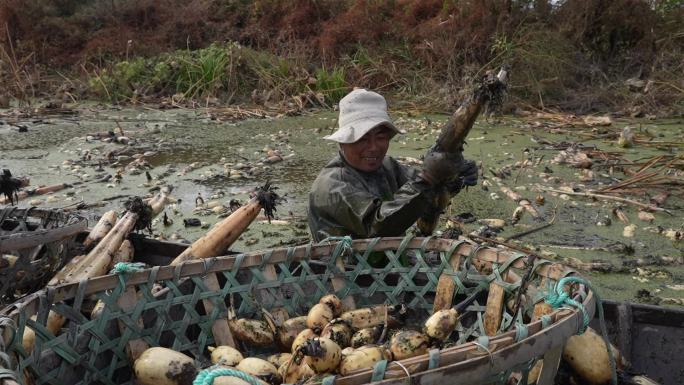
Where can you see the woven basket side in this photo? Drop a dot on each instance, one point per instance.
(89, 351)
(94, 351)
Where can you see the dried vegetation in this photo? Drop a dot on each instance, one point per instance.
(575, 55)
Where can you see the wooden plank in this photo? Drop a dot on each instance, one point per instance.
(444, 293)
(495, 305)
(550, 364)
(279, 313)
(540, 309)
(220, 328)
(624, 340)
(19, 241)
(127, 302)
(496, 294)
(339, 284)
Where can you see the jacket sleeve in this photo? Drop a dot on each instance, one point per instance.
(405, 173)
(366, 215)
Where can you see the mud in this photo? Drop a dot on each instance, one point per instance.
(223, 162)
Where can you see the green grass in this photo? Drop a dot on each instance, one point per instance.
(220, 70)
(331, 83)
(203, 72)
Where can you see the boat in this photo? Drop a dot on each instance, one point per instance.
(34, 244)
(649, 337)
(184, 307)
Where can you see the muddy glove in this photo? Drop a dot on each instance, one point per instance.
(467, 176)
(441, 167)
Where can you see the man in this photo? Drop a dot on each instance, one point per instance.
(364, 193)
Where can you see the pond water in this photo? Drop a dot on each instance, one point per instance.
(197, 154)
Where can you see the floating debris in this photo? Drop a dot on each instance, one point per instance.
(191, 222)
(619, 214)
(629, 231)
(517, 214)
(604, 221)
(586, 175)
(593, 121)
(674, 235)
(493, 222)
(626, 138)
(574, 158)
(646, 216)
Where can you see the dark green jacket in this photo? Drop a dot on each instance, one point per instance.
(346, 201)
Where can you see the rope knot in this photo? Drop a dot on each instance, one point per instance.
(345, 240)
(557, 300)
(558, 297)
(343, 247)
(127, 267)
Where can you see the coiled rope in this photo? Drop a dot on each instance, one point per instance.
(559, 297)
(207, 376)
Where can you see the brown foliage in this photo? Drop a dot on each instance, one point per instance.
(611, 29)
(364, 23)
(596, 41)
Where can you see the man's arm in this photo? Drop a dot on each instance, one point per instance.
(371, 217)
(346, 208)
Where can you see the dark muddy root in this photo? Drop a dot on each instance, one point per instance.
(645, 296)
(144, 211)
(313, 348)
(9, 186)
(491, 90)
(268, 199)
(452, 233)
(398, 312)
(183, 375)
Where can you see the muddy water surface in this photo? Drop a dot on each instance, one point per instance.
(199, 155)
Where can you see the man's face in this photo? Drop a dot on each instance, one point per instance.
(367, 153)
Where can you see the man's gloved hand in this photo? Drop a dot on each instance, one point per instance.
(468, 174)
(440, 167)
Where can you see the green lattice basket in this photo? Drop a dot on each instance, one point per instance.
(189, 314)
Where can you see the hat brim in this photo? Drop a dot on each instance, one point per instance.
(353, 132)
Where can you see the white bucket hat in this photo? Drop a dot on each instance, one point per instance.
(360, 112)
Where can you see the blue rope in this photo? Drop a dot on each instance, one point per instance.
(207, 376)
(344, 245)
(558, 297)
(521, 331)
(127, 267)
(345, 240)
